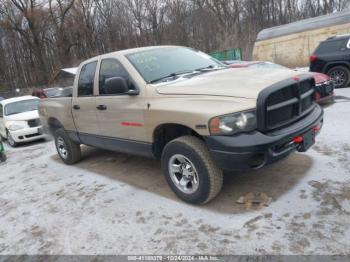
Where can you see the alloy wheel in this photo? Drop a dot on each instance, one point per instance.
(339, 77)
(183, 173)
(62, 148)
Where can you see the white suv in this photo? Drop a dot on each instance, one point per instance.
(19, 120)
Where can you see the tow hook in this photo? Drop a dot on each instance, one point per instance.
(298, 139)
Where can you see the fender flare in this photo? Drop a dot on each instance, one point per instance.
(336, 63)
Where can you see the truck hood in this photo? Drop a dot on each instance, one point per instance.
(23, 116)
(232, 82)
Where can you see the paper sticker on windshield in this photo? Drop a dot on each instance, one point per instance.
(147, 61)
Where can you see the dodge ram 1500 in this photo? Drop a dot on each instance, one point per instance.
(187, 109)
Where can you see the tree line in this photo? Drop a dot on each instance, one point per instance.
(38, 37)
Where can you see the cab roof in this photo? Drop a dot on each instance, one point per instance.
(133, 50)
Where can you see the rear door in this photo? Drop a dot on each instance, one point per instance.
(120, 115)
(84, 102)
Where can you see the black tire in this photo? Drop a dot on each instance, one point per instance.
(10, 140)
(340, 76)
(72, 149)
(3, 157)
(210, 177)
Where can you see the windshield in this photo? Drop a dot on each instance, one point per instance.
(160, 63)
(21, 107)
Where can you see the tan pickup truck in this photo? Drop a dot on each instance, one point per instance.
(187, 109)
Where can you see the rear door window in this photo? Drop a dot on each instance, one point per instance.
(331, 46)
(86, 79)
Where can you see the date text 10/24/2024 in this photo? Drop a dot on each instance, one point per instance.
(173, 258)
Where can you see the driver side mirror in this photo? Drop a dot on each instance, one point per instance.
(116, 85)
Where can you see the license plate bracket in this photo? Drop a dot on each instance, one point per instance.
(308, 141)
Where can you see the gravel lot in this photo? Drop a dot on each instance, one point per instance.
(114, 203)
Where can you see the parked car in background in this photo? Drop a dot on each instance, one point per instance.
(19, 120)
(332, 57)
(1, 98)
(53, 92)
(187, 109)
(324, 84)
(46, 92)
(64, 92)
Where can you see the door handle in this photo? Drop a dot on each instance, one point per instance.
(76, 107)
(101, 107)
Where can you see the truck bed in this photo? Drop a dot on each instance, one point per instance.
(60, 108)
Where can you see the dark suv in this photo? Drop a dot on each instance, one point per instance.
(332, 57)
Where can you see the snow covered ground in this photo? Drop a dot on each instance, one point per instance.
(113, 203)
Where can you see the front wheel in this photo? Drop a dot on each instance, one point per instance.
(340, 76)
(10, 140)
(190, 171)
(68, 150)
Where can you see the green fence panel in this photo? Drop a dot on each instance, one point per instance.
(229, 54)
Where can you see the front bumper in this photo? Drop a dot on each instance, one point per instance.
(27, 134)
(254, 150)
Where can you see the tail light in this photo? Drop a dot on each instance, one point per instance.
(313, 58)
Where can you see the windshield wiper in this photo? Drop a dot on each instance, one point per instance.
(173, 75)
(209, 68)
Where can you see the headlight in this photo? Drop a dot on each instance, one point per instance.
(233, 123)
(13, 126)
(323, 83)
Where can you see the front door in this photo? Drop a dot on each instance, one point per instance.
(120, 116)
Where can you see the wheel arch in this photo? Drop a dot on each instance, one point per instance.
(54, 124)
(330, 65)
(166, 132)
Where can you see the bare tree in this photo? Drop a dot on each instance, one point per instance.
(37, 37)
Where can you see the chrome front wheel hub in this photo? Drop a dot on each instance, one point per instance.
(183, 173)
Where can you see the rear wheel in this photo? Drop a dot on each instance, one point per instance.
(190, 171)
(67, 149)
(340, 76)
